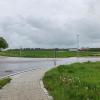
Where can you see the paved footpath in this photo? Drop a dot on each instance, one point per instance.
(24, 86)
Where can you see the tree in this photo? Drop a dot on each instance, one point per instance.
(3, 43)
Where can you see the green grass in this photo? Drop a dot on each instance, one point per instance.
(47, 54)
(4, 81)
(79, 81)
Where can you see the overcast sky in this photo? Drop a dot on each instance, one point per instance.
(50, 23)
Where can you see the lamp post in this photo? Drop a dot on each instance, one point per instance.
(78, 41)
(20, 51)
(78, 45)
(55, 63)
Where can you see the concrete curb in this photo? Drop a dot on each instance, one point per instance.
(45, 91)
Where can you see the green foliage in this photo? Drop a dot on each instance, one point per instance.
(3, 43)
(4, 81)
(79, 81)
(45, 54)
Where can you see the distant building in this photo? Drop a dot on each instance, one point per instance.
(84, 49)
(73, 49)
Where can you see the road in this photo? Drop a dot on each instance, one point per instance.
(13, 65)
(26, 85)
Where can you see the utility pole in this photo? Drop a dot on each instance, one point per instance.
(78, 45)
(78, 42)
(20, 51)
(55, 63)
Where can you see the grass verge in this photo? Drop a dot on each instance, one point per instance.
(4, 81)
(79, 81)
(47, 54)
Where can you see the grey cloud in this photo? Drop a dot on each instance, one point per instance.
(51, 23)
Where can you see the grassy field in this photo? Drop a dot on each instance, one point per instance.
(47, 54)
(4, 81)
(79, 81)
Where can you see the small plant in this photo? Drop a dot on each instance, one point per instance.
(4, 81)
(88, 61)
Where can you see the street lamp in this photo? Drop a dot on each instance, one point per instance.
(78, 42)
(55, 63)
(20, 51)
(78, 45)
